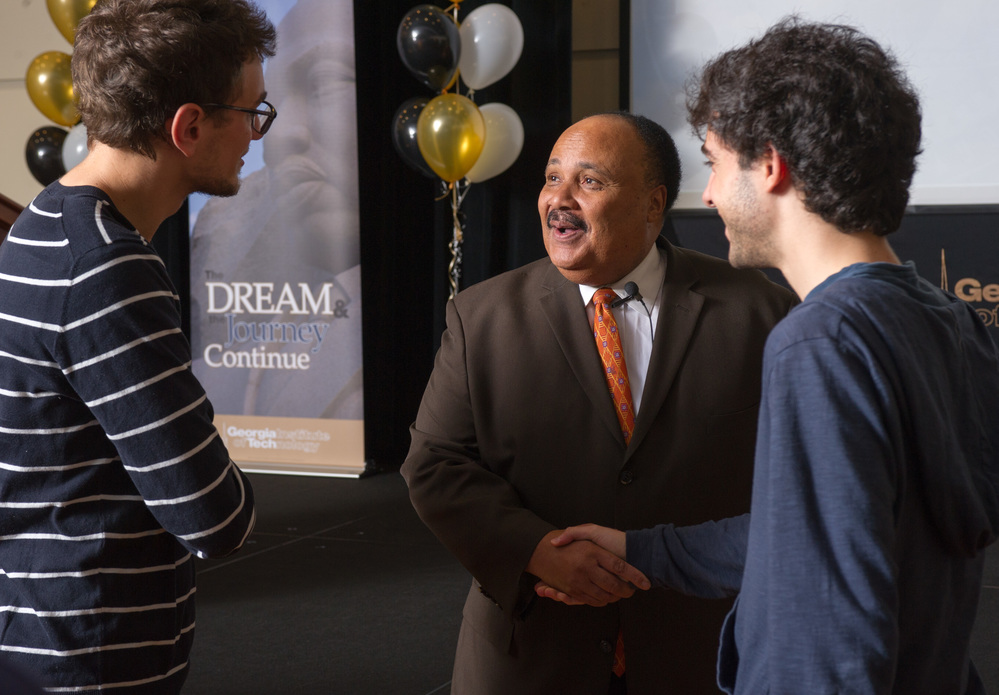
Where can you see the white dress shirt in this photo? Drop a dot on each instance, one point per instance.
(636, 322)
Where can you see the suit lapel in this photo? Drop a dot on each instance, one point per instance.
(678, 314)
(567, 317)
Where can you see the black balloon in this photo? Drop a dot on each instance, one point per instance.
(44, 154)
(429, 45)
(404, 135)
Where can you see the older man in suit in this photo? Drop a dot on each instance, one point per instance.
(520, 433)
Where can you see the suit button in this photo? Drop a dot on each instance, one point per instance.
(627, 477)
(606, 647)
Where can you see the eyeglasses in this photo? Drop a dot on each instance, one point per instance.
(261, 119)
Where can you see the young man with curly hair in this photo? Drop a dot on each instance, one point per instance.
(876, 486)
(112, 474)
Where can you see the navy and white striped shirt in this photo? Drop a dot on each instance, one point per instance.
(111, 471)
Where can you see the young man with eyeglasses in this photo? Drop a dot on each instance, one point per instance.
(112, 474)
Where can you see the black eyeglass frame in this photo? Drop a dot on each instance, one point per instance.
(268, 115)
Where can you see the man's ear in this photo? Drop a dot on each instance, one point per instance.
(657, 203)
(775, 169)
(187, 128)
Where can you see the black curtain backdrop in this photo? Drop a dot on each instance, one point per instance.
(405, 233)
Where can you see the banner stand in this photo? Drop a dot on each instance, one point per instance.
(301, 469)
(276, 307)
(297, 446)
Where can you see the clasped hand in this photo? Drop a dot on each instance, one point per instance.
(584, 566)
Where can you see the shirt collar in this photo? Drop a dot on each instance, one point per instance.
(648, 275)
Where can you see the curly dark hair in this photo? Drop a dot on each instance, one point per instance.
(135, 62)
(662, 161)
(833, 104)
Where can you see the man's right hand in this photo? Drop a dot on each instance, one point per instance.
(579, 572)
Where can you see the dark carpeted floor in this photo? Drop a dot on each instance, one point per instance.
(341, 590)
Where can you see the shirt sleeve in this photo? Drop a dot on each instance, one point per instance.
(823, 521)
(124, 354)
(705, 560)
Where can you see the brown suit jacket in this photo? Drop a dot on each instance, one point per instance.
(516, 436)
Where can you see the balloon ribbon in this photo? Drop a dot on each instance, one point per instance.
(458, 192)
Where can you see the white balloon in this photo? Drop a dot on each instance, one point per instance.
(74, 147)
(491, 41)
(504, 140)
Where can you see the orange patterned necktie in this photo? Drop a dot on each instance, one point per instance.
(612, 355)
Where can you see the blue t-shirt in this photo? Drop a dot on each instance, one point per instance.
(875, 491)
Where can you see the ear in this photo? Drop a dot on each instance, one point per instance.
(657, 203)
(186, 128)
(774, 168)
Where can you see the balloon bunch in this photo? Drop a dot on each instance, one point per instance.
(448, 136)
(51, 150)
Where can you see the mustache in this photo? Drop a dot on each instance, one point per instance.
(565, 219)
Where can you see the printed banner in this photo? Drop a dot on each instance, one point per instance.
(275, 270)
(953, 247)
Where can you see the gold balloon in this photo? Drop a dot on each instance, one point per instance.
(67, 14)
(450, 133)
(50, 86)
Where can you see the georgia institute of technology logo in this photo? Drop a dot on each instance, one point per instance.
(985, 296)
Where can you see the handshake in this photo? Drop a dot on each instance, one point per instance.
(585, 566)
